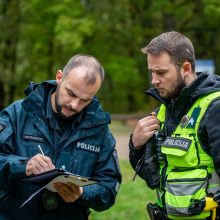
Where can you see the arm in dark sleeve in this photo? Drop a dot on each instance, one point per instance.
(12, 166)
(134, 154)
(144, 163)
(102, 196)
(209, 133)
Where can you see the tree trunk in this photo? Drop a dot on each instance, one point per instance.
(8, 50)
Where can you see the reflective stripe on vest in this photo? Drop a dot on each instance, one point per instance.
(190, 172)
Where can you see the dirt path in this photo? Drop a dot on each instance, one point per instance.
(121, 132)
(122, 146)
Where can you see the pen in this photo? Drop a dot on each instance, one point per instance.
(40, 149)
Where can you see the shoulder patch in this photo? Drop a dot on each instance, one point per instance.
(194, 117)
(2, 127)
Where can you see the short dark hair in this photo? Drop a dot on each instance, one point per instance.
(178, 46)
(90, 64)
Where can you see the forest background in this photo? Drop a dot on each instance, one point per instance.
(38, 37)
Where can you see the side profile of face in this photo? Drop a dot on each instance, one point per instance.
(167, 78)
(73, 93)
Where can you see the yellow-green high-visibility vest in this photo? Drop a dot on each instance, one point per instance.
(189, 173)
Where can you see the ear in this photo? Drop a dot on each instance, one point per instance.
(187, 69)
(59, 76)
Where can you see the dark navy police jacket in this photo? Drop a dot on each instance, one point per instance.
(86, 147)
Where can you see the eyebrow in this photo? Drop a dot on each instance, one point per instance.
(158, 70)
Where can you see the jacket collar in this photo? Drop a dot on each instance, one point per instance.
(37, 95)
(204, 84)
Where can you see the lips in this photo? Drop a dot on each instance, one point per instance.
(69, 110)
(160, 89)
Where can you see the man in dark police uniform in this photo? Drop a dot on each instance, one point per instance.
(64, 119)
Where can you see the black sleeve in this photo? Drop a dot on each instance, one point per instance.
(209, 133)
(134, 154)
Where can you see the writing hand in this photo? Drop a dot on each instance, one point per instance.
(39, 164)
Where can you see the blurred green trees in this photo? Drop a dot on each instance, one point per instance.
(37, 38)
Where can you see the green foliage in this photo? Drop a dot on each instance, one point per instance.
(38, 37)
(120, 72)
(54, 35)
(131, 199)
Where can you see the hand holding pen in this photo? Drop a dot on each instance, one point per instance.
(39, 163)
(40, 149)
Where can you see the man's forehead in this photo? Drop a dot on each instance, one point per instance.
(159, 61)
(79, 72)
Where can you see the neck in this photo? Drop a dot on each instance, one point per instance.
(190, 78)
(52, 99)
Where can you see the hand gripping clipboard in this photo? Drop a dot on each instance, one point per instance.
(46, 180)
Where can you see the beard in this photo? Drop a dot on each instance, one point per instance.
(180, 84)
(59, 107)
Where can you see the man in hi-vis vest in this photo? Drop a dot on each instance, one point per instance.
(176, 148)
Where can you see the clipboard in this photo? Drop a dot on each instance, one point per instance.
(45, 180)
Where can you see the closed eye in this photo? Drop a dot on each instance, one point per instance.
(161, 72)
(73, 95)
(158, 72)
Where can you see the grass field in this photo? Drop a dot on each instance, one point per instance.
(131, 199)
(133, 195)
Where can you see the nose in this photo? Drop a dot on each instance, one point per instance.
(74, 103)
(155, 80)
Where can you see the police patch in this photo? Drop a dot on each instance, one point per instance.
(184, 121)
(2, 127)
(88, 147)
(177, 142)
